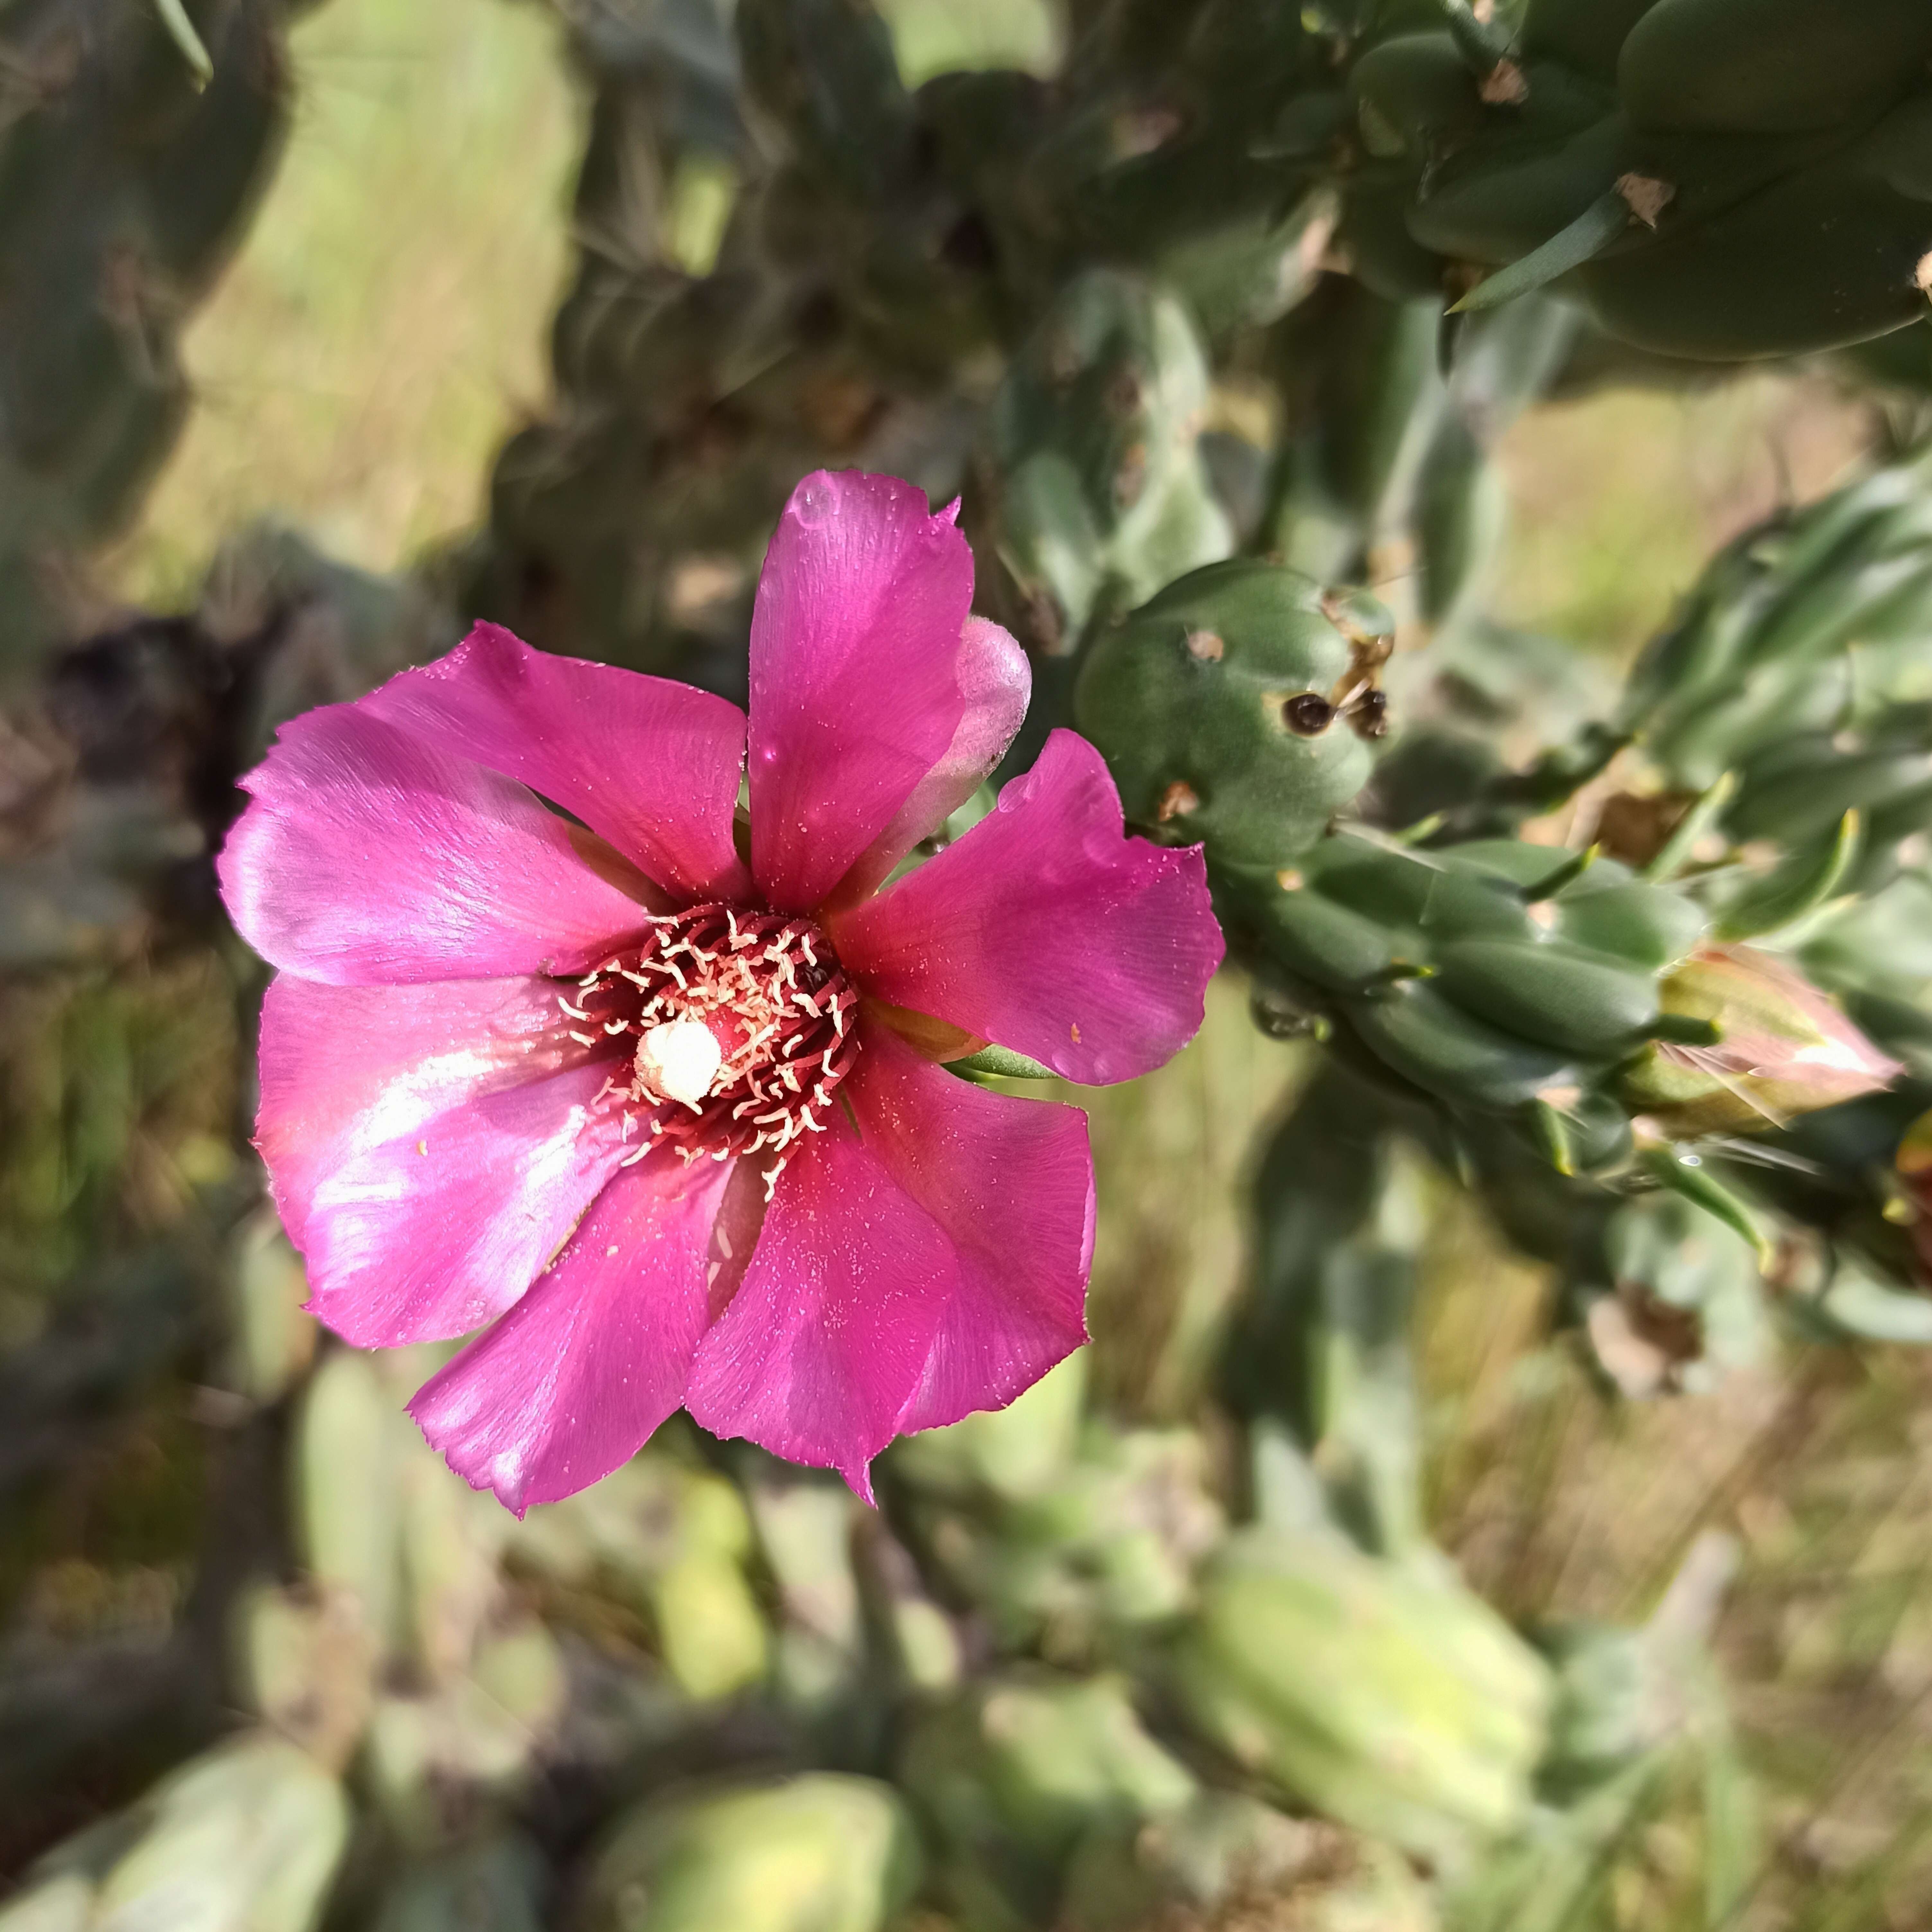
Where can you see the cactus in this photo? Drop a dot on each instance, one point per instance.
(248, 1836)
(819, 1853)
(1320, 1346)
(1503, 976)
(1385, 467)
(1739, 182)
(1102, 497)
(496, 1886)
(1215, 331)
(1011, 1775)
(1385, 1694)
(1080, 1564)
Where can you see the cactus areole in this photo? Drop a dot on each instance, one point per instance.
(567, 1047)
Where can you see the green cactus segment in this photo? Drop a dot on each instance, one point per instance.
(1010, 1777)
(1236, 707)
(250, 1834)
(498, 1885)
(1640, 1721)
(1077, 1537)
(821, 1853)
(1585, 36)
(1490, 975)
(1102, 497)
(1222, 1850)
(824, 71)
(1812, 622)
(1322, 1342)
(1798, 673)
(1715, 178)
(1383, 473)
(1385, 1694)
(1770, 67)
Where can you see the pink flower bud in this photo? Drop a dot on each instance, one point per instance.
(1782, 1049)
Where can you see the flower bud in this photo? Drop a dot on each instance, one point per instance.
(1780, 1047)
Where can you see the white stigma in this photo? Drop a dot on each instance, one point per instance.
(680, 1060)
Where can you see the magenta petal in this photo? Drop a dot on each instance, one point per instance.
(1011, 1183)
(366, 855)
(995, 680)
(345, 1070)
(855, 696)
(650, 765)
(828, 1335)
(1049, 931)
(574, 1379)
(433, 1233)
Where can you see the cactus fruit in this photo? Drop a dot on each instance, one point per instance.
(1812, 622)
(1385, 1694)
(1238, 706)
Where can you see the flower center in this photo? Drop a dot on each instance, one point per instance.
(738, 1027)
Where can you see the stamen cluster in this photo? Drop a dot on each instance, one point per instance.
(737, 1026)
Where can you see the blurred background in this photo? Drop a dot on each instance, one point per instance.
(265, 1664)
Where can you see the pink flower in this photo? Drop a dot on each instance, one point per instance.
(662, 1116)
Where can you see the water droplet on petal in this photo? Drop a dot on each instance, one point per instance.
(815, 502)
